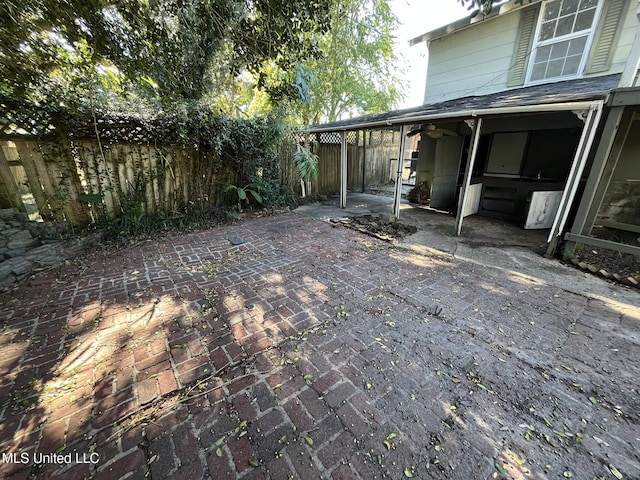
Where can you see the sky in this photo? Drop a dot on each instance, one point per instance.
(417, 17)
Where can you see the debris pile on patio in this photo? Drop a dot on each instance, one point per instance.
(420, 194)
(378, 226)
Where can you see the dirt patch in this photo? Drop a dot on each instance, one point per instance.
(612, 265)
(377, 226)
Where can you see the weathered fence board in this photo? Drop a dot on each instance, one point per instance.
(368, 164)
(10, 195)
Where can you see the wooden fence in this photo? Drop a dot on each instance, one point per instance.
(370, 161)
(84, 182)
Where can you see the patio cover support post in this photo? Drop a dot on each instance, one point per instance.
(398, 191)
(604, 162)
(343, 170)
(577, 167)
(471, 160)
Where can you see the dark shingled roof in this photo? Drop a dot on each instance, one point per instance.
(578, 90)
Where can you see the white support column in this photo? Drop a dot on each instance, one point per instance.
(343, 170)
(471, 160)
(398, 191)
(577, 167)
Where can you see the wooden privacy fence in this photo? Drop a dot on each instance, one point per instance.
(370, 157)
(84, 182)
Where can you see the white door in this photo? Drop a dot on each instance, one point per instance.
(445, 173)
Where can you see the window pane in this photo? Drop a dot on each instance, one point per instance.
(554, 68)
(542, 55)
(569, 6)
(584, 20)
(571, 65)
(565, 26)
(559, 50)
(577, 46)
(551, 10)
(584, 4)
(538, 71)
(547, 30)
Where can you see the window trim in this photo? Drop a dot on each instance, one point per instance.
(537, 44)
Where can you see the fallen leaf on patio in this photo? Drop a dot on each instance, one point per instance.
(439, 448)
(253, 463)
(220, 441)
(309, 440)
(567, 474)
(616, 473)
(276, 386)
(368, 385)
(479, 385)
(219, 451)
(456, 380)
(500, 468)
(593, 400)
(388, 444)
(500, 329)
(392, 436)
(307, 379)
(408, 473)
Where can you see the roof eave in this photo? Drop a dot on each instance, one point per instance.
(463, 114)
(467, 22)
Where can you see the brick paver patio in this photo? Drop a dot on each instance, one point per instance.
(311, 351)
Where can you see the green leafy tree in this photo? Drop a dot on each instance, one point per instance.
(356, 71)
(172, 48)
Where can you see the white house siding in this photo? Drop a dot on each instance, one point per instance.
(473, 61)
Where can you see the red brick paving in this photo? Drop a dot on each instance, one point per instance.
(300, 353)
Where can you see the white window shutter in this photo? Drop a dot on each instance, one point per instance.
(524, 41)
(606, 36)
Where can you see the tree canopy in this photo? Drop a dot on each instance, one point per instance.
(171, 46)
(357, 71)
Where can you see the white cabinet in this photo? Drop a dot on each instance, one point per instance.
(542, 210)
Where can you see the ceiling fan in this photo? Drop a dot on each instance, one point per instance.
(435, 132)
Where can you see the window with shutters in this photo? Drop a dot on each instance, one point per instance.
(562, 40)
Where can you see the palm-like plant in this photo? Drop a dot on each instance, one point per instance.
(306, 164)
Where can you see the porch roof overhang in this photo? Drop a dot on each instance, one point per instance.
(577, 94)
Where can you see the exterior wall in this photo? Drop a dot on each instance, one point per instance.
(473, 61)
(477, 59)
